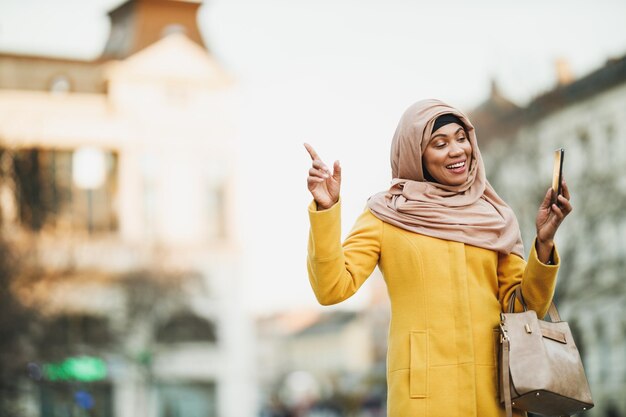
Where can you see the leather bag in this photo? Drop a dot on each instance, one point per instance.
(540, 367)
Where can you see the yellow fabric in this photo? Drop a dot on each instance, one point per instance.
(446, 299)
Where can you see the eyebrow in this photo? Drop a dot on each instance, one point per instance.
(441, 134)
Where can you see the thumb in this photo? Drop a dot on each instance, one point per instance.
(337, 171)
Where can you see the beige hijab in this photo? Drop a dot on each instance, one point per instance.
(471, 213)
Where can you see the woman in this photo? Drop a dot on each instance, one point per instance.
(451, 254)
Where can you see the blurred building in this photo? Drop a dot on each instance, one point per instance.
(327, 363)
(587, 117)
(117, 179)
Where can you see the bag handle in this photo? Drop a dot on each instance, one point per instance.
(553, 313)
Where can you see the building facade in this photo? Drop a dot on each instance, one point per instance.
(116, 185)
(325, 363)
(587, 117)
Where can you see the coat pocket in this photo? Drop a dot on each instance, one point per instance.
(418, 372)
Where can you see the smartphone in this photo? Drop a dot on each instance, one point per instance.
(557, 174)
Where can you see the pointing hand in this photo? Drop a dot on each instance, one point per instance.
(323, 185)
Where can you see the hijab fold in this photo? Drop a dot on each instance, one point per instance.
(470, 213)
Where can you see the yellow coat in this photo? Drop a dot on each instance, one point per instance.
(446, 299)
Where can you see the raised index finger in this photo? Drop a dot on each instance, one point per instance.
(312, 152)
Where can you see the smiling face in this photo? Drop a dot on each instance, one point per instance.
(448, 155)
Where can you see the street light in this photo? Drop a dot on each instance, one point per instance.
(89, 173)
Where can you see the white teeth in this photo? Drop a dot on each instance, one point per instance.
(457, 165)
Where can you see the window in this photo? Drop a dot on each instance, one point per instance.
(583, 137)
(172, 29)
(187, 400)
(612, 144)
(60, 84)
(610, 134)
(63, 399)
(50, 198)
(186, 327)
(65, 331)
(603, 351)
(577, 333)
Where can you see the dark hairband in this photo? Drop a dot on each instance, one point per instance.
(445, 119)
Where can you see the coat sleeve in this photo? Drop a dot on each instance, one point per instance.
(337, 271)
(537, 279)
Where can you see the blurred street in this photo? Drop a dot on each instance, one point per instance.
(153, 196)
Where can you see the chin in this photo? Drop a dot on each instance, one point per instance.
(456, 182)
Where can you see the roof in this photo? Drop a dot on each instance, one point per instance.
(38, 73)
(136, 24)
(491, 112)
(491, 122)
(612, 74)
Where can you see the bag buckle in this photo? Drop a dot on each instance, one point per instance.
(503, 335)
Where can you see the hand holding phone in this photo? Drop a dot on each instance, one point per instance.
(557, 174)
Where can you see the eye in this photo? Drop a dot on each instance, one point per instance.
(461, 139)
(440, 145)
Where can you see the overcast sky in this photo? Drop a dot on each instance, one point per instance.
(338, 74)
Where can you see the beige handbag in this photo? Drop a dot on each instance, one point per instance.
(540, 368)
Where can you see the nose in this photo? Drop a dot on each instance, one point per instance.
(455, 149)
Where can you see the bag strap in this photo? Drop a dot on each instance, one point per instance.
(505, 375)
(553, 313)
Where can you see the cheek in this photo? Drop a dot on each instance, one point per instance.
(430, 159)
